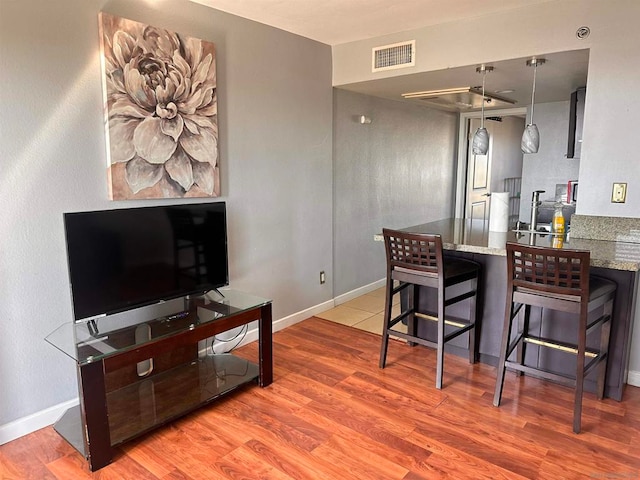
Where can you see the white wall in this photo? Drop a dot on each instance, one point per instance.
(275, 117)
(612, 105)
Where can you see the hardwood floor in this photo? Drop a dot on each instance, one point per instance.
(331, 413)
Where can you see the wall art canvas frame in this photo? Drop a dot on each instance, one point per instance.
(161, 112)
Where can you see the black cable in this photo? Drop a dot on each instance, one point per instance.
(239, 336)
(244, 327)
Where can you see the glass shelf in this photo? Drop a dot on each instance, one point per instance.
(90, 340)
(142, 406)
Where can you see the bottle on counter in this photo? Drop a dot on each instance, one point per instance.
(558, 241)
(558, 221)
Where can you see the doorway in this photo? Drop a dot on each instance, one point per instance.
(479, 175)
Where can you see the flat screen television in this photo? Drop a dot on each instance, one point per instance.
(127, 258)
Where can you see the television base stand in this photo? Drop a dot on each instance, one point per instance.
(116, 405)
(218, 292)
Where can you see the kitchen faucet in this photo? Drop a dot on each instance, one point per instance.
(535, 203)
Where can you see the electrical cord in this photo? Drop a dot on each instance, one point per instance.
(243, 332)
(239, 337)
(216, 376)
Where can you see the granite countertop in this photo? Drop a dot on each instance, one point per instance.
(474, 237)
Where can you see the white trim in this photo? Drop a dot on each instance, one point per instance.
(252, 335)
(345, 297)
(633, 378)
(25, 425)
(461, 173)
(48, 416)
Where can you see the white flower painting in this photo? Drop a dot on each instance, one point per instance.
(162, 112)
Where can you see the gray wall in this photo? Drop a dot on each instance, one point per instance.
(275, 117)
(397, 171)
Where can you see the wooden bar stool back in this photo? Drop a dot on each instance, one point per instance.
(415, 260)
(556, 279)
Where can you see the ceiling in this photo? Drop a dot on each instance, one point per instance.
(560, 75)
(338, 21)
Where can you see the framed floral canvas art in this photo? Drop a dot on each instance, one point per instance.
(161, 112)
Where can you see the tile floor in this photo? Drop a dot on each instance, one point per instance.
(364, 312)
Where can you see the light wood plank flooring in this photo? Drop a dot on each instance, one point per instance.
(331, 413)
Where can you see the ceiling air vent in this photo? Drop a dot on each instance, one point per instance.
(398, 55)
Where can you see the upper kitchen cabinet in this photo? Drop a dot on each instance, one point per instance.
(576, 116)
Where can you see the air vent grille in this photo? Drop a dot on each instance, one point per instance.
(398, 55)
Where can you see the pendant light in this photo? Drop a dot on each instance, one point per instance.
(531, 136)
(480, 144)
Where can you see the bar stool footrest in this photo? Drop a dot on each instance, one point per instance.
(449, 321)
(566, 380)
(412, 338)
(558, 345)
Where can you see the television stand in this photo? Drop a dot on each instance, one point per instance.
(117, 405)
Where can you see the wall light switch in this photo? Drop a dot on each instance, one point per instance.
(619, 194)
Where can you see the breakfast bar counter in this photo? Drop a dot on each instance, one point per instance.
(473, 236)
(616, 260)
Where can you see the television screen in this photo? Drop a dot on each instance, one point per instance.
(127, 258)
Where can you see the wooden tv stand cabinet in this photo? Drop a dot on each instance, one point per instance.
(117, 405)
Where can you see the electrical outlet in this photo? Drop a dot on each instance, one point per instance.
(322, 278)
(619, 193)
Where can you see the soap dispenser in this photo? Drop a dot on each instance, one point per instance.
(558, 220)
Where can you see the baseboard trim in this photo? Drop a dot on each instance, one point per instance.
(252, 335)
(633, 378)
(25, 425)
(345, 297)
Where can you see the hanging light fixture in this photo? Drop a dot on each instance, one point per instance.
(531, 136)
(480, 144)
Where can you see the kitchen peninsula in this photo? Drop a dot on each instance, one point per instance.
(613, 259)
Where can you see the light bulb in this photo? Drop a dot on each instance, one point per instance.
(530, 139)
(480, 144)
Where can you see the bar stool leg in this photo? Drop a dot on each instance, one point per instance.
(388, 305)
(440, 346)
(582, 345)
(524, 328)
(412, 302)
(504, 345)
(473, 314)
(604, 348)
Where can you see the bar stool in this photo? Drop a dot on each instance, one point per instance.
(556, 279)
(416, 260)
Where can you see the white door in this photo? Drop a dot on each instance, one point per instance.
(487, 173)
(478, 176)
(506, 157)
